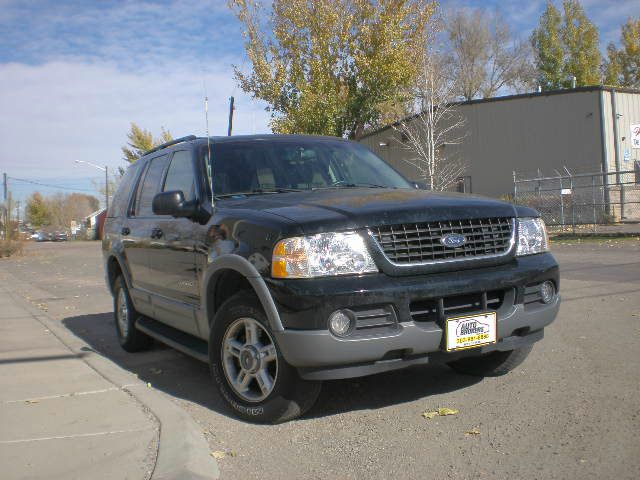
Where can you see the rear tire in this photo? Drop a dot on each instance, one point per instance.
(130, 338)
(248, 368)
(491, 364)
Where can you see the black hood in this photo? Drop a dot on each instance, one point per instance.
(350, 208)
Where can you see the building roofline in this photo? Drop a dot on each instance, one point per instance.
(563, 91)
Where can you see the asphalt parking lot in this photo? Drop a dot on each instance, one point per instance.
(572, 410)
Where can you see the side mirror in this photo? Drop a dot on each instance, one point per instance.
(420, 186)
(173, 203)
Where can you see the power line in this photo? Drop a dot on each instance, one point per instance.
(61, 187)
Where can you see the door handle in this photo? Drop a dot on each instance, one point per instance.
(125, 231)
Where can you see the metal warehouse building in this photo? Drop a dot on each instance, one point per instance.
(586, 129)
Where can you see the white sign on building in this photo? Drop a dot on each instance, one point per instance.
(635, 135)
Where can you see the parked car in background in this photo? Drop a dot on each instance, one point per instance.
(41, 236)
(60, 236)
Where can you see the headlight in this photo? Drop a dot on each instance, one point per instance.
(532, 236)
(321, 255)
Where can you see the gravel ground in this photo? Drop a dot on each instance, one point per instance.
(570, 411)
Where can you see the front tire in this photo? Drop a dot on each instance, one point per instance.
(130, 338)
(247, 367)
(492, 364)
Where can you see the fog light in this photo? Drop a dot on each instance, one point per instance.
(341, 322)
(547, 291)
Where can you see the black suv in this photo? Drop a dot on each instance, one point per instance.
(283, 261)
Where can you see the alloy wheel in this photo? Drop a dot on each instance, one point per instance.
(249, 359)
(122, 313)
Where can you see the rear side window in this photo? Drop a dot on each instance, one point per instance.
(149, 186)
(180, 175)
(120, 200)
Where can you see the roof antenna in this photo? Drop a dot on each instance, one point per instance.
(206, 121)
(231, 109)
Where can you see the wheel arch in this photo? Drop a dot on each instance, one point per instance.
(224, 276)
(114, 268)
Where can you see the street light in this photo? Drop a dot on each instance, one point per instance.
(105, 169)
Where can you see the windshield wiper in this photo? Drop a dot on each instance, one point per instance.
(345, 184)
(258, 191)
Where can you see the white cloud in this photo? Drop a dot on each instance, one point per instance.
(60, 111)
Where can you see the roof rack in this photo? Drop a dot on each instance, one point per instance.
(188, 138)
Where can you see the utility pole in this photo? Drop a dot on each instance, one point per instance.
(5, 214)
(7, 234)
(231, 100)
(18, 216)
(106, 186)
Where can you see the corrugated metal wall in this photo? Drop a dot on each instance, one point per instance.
(628, 110)
(526, 134)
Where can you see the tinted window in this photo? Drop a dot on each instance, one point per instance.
(250, 166)
(150, 185)
(120, 200)
(180, 175)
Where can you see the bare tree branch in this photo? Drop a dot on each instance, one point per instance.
(437, 125)
(486, 57)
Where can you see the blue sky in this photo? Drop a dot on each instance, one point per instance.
(73, 74)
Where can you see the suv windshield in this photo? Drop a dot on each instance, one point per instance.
(263, 166)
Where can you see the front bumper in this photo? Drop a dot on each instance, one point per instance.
(318, 354)
(321, 356)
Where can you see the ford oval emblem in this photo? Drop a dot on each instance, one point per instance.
(453, 240)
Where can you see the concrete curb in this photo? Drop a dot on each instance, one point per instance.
(183, 452)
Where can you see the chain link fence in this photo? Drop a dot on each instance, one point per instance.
(569, 200)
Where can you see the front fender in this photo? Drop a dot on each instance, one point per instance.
(241, 265)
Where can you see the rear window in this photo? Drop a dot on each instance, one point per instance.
(120, 200)
(150, 186)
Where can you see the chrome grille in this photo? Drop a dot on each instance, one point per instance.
(411, 243)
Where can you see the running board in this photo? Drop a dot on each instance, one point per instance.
(187, 344)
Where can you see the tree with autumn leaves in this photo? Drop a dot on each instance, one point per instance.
(140, 140)
(333, 67)
(622, 67)
(566, 44)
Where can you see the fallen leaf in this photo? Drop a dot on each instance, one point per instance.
(233, 453)
(429, 415)
(473, 431)
(219, 454)
(444, 411)
(149, 385)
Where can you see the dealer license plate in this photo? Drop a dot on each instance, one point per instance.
(471, 331)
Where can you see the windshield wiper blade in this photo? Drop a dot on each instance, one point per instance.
(343, 184)
(276, 190)
(258, 191)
